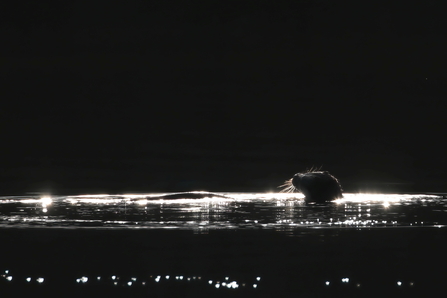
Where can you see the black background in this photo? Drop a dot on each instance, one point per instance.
(148, 96)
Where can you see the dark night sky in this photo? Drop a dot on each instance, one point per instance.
(148, 96)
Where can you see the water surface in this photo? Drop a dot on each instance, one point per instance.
(223, 245)
(277, 211)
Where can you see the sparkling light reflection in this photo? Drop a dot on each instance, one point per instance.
(224, 283)
(46, 201)
(283, 212)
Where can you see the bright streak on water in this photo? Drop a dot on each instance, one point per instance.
(282, 212)
(46, 200)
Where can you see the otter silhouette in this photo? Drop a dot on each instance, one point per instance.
(316, 186)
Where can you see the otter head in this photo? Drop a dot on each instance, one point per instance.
(316, 186)
(296, 180)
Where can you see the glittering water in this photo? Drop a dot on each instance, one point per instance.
(222, 245)
(277, 211)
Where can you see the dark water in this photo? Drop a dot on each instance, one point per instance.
(230, 245)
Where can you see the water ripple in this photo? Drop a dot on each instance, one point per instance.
(277, 211)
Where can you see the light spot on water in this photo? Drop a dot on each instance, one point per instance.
(217, 286)
(258, 278)
(327, 283)
(129, 283)
(9, 278)
(40, 280)
(28, 279)
(345, 279)
(255, 286)
(399, 283)
(46, 201)
(167, 276)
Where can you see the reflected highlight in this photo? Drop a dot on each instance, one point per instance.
(284, 213)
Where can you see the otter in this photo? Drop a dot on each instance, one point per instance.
(316, 186)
